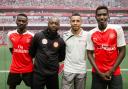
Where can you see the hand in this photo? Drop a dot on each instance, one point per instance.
(109, 74)
(105, 76)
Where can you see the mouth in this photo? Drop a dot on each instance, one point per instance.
(54, 30)
(20, 25)
(102, 22)
(75, 26)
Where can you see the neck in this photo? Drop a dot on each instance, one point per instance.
(76, 32)
(21, 31)
(102, 27)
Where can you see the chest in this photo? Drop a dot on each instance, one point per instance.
(18, 39)
(76, 42)
(108, 37)
(49, 44)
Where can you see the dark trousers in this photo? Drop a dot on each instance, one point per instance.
(98, 83)
(50, 81)
(15, 79)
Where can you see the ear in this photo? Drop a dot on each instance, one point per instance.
(16, 20)
(70, 21)
(27, 22)
(108, 19)
(96, 17)
(81, 20)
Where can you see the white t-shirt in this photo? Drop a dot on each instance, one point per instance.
(75, 59)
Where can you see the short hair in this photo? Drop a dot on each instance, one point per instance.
(101, 7)
(75, 14)
(53, 17)
(22, 14)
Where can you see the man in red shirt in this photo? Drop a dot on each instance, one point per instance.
(19, 41)
(106, 50)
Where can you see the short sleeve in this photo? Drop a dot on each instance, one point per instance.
(90, 45)
(120, 37)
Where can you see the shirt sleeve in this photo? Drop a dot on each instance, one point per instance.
(62, 51)
(33, 46)
(120, 37)
(90, 45)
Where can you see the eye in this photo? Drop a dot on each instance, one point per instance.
(72, 20)
(78, 21)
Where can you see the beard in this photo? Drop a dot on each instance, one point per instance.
(102, 26)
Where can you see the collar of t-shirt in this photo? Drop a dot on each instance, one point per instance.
(49, 35)
(104, 29)
(80, 34)
(23, 33)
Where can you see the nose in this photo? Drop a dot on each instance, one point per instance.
(75, 22)
(102, 16)
(21, 22)
(54, 25)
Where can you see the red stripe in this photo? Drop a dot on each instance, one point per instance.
(61, 67)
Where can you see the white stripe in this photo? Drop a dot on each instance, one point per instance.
(124, 69)
(121, 69)
(6, 71)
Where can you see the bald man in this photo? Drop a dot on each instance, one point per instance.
(48, 49)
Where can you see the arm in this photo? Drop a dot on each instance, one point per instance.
(33, 47)
(62, 52)
(91, 59)
(122, 51)
(9, 43)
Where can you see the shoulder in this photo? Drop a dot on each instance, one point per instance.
(84, 33)
(30, 33)
(113, 26)
(38, 33)
(117, 28)
(92, 31)
(61, 41)
(66, 33)
(11, 32)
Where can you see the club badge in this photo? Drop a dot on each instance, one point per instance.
(111, 35)
(44, 41)
(55, 44)
(28, 40)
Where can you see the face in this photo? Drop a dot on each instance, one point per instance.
(102, 18)
(54, 24)
(21, 22)
(75, 22)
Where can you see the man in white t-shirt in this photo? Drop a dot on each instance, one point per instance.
(75, 60)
